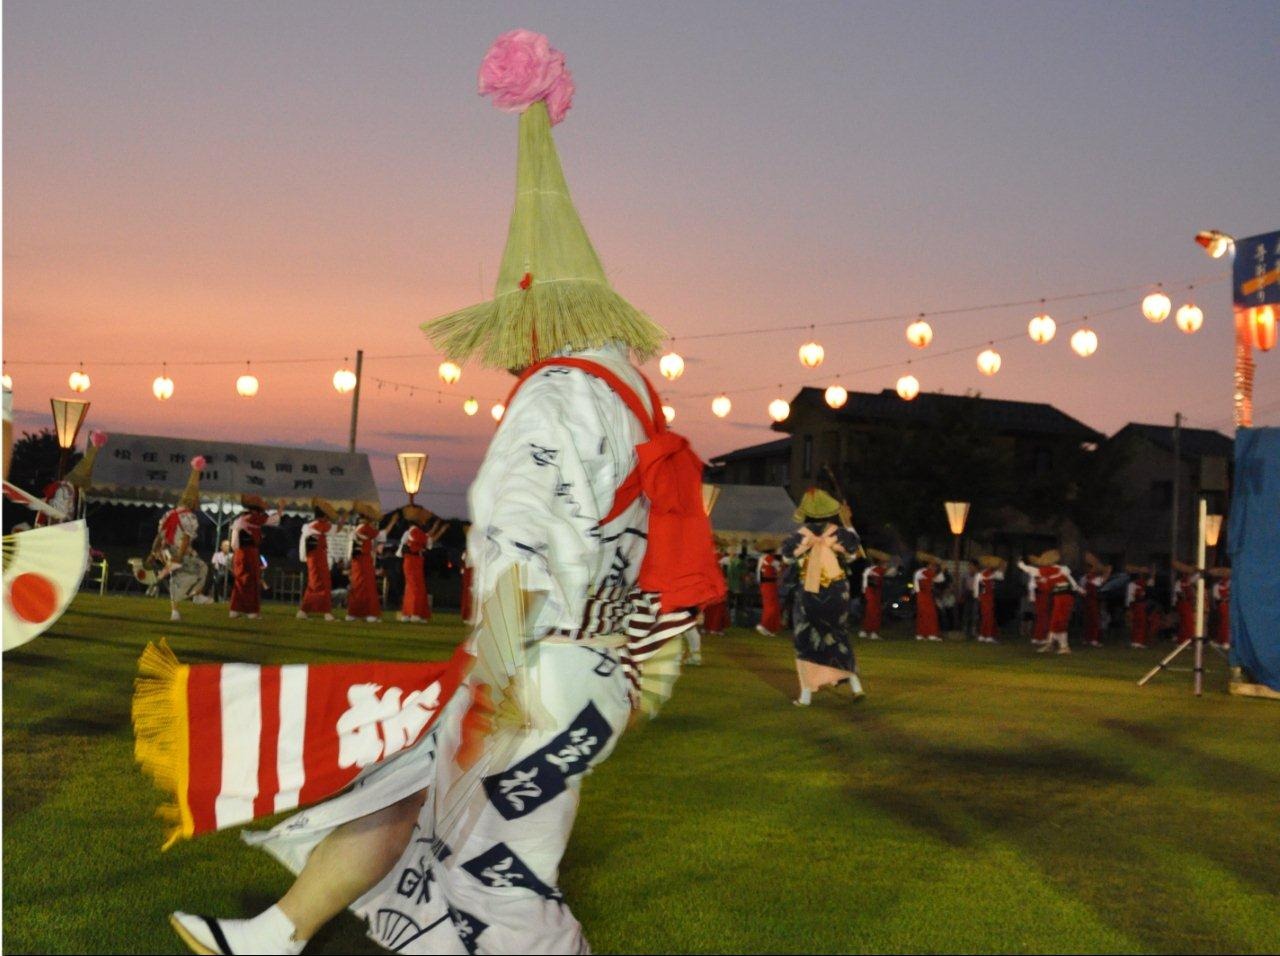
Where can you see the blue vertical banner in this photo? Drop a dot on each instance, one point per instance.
(1255, 274)
(1255, 547)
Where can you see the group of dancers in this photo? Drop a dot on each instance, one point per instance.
(173, 550)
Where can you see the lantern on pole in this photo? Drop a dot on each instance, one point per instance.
(1156, 306)
(1255, 296)
(721, 406)
(988, 361)
(779, 409)
(811, 354)
(908, 387)
(1261, 321)
(957, 515)
(836, 396)
(671, 366)
(413, 464)
(1042, 329)
(78, 381)
(68, 416)
(920, 333)
(344, 380)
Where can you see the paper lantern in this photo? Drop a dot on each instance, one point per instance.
(779, 409)
(920, 333)
(668, 413)
(7, 381)
(1084, 342)
(908, 387)
(1261, 320)
(1212, 529)
(811, 354)
(78, 380)
(1189, 318)
(836, 396)
(247, 385)
(344, 380)
(957, 515)
(1155, 307)
(162, 388)
(1042, 329)
(671, 366)
(471, 406)
(413, 465)
(68, 416)
(988, 361)
(449, 372)
(721, 406)
(498, 411)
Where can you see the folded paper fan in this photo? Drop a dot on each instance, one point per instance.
(658, 677)
(42, 572)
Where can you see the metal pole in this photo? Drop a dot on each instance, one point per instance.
(1200, 549)
(1177, 482)
(355, 400)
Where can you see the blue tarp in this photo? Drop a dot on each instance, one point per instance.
(1255, 555)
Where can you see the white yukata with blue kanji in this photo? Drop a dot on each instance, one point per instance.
(483, 879)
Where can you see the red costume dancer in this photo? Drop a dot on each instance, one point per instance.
(1136, 601)
(1222, 605)
(984, 590)
(1041, 596)
(362, 593)
(1095, 576)
(414, 543)
(246, 566)
(1184, 600)
(873, 593)
(926, 609)
(313, 549)
(767, 572)
(715, 618)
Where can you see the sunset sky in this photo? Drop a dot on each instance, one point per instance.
(198, 183)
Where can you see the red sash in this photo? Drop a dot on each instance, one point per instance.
(680, 560)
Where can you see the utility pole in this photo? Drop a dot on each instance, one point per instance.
(355, 399)
(1177, 481)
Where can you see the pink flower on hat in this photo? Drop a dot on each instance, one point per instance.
(198, 463)
(523, 67)
(97, 438)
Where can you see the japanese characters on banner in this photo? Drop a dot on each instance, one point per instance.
(151, 467)
(1255, 275)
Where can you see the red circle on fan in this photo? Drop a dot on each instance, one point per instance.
(33, 597)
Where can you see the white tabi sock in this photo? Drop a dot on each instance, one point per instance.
(855, 685)
(805, 697)
(268, 932)
(694, 637)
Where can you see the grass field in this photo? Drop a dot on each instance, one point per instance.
(981, 799)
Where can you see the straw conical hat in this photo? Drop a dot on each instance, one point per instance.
(191, 494)
(82, 474)
(1135, 569)
(416, 514)
(253, 501)
(1183, 567)
(367, 509)
(325, 507)
(877, 555)
(924, 557)
(1219, 572)
(994, 562)
(816, 505)
(552, 293)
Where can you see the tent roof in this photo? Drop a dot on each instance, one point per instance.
(753, 510)
(154, 468)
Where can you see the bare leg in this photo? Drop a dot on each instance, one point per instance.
(348, 863)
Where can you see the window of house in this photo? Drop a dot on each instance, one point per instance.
(806, 460)
(1161, 494)
(1043, 463)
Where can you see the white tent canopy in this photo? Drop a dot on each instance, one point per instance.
(153, 469)
(748, 512)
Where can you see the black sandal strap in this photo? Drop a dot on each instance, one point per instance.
(219, 939)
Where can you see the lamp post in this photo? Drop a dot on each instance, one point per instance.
(412, 466)
(355, 400)
(957, 515)
(68, 416)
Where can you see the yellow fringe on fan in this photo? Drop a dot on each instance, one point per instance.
(160, 734)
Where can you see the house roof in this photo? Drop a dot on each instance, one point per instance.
(1193, 442)
(753, 510)
(996, 414)
(779, 447)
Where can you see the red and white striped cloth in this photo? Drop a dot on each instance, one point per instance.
(237, 742)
